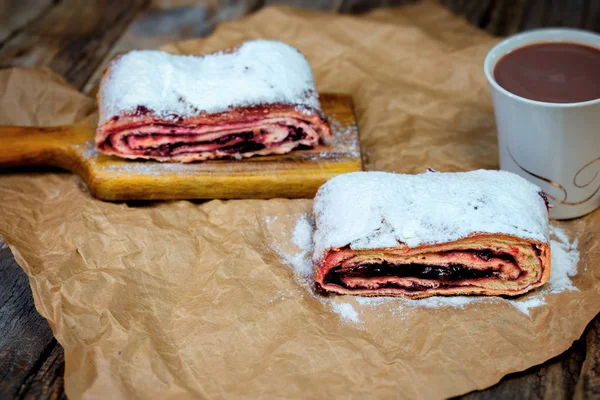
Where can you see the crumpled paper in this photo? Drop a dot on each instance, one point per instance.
(45, 100)
(194, 299)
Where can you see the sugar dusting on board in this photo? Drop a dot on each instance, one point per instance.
(344, 137)
(88, 150)
(173, 86)
(565, 258)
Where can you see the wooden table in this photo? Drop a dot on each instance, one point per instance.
(75, 37)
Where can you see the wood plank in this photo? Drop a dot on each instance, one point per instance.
(533, 15)
(322, 5)
(72, 37)
(505, 17)
(572, 13)
(592, 15)
(345, 6)
(25, 337)
(48, 381)
(480, 11)
(361, 6)
(162, 24)
(588, 386)
(555, 379)
(15, 14)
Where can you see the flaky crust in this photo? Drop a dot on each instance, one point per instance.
(477, 241)
(143, 117)
(249, 115)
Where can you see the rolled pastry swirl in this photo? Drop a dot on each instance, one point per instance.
(384, 234)
(258, 99)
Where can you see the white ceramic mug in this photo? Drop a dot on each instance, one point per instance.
(554, 145)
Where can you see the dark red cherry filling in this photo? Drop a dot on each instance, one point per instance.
(443, 275)
(243, 142)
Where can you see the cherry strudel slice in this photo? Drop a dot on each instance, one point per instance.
(257, 99)
(384, 234)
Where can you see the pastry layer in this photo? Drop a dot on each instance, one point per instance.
(486, 264)
(274, 129)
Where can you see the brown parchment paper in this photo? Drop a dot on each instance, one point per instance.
(191, 299)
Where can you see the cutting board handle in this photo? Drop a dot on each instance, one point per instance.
(39, 146)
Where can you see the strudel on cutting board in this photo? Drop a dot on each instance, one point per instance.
(257, 99)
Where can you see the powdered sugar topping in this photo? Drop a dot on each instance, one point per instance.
(172, 86)
(369, 210)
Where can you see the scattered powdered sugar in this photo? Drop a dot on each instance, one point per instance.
(563, 264)
(564, 259)
(282, 295)
(443, 301)
(429, 302)
(173, 86)
(564, 253)
(525, 305)
(303, 232)
(270, 220)
(373, 301)
(301, 263)
(380, 209)
(302, 238)
(346, 311)
(560, 235)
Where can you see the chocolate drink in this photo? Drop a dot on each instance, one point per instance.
(555, 72)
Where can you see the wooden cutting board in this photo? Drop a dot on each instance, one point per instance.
(294, 175)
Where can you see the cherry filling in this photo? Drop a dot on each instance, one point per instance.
(442, 275)
(242, 142)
